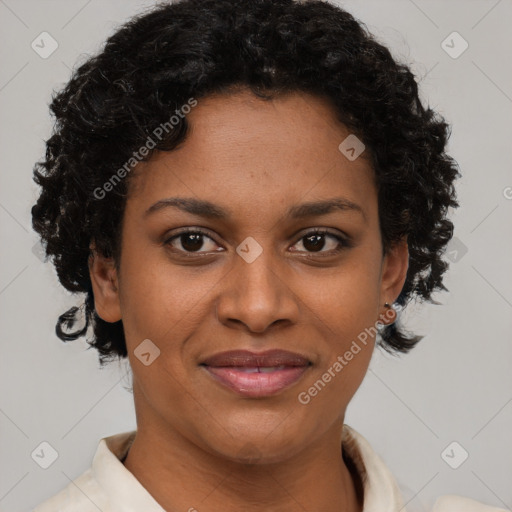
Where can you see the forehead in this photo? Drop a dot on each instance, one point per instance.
(243, 148)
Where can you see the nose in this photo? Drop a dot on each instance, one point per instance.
(258, 295)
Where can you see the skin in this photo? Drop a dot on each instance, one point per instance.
(198, 444)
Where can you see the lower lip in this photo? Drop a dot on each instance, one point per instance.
(257, 384)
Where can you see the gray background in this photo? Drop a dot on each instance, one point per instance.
(457, 383)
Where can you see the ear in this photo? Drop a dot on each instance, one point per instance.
(105, 286)
(394, 271)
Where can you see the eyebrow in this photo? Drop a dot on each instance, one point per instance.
(207, 209)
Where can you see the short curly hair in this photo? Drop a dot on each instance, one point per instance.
(161, 58)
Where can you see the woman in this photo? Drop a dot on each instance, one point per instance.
(248, 193)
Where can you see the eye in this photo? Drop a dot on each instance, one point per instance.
(193, 240)
(190, 240)
(314, 242)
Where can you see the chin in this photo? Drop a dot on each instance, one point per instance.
(258, 442)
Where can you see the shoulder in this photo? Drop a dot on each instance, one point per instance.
(452, 503)
(81, 495)
(381, 491)
(107, 485)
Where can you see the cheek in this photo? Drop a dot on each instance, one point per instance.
(344, 307)
(347, 298)
(157, 299)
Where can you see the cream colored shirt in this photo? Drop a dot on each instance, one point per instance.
(109, 487)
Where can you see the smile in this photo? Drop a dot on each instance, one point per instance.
(256, 375)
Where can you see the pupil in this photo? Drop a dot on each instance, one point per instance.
(196, 243)
(317, 242)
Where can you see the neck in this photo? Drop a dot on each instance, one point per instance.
(183, 480)
(180, 475)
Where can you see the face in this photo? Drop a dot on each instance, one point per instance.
(250, 273)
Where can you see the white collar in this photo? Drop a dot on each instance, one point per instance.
(381, 493)
(125, 493)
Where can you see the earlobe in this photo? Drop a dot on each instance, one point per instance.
(394, 271)
(105, 286)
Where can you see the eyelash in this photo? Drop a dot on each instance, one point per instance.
(344, 243)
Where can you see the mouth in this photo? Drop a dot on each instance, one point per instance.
(254, 374)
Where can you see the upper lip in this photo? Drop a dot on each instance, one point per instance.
(246, 358)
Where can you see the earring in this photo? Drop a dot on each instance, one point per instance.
(390, 314)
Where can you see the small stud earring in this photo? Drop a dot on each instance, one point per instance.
(387, 314)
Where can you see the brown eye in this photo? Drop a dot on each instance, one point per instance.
(190, 241)
(315, 241)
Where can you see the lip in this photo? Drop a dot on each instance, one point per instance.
(247, 358)
(256, 374)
